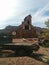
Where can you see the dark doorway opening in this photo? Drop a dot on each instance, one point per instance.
(27, 27)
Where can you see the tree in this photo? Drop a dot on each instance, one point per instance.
(45, 34)
(47, 23)
(46, 31)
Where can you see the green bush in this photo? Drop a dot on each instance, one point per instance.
(46, 44)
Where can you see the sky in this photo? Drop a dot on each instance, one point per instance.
(13, 12)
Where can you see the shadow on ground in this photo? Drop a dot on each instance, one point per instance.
(40, 57)
(36, 56)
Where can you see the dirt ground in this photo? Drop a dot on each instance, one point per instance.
(37, 58)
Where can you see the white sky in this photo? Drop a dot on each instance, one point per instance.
(12, 12)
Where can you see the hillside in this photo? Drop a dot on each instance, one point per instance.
(14, 28)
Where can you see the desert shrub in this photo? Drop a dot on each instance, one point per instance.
(46, 43)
